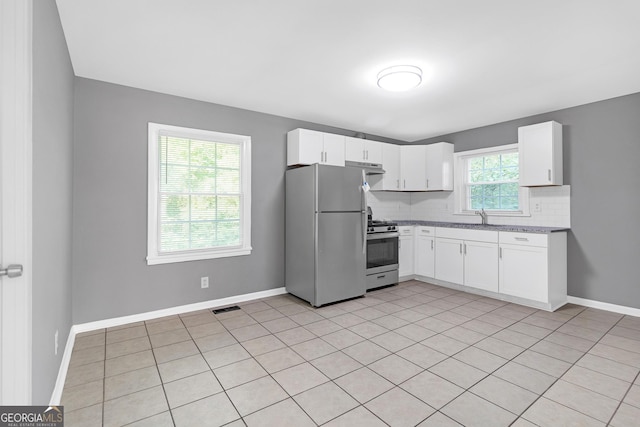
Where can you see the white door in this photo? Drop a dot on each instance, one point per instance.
(405, 256)
(425, 256)
(535, 144)
(373, 151)
(333, 149)
(449, 260)
(311, 147)
(354, 150)
(524, 272)
(413, 168)
(391, 165)
(481, 265)
(15, 200)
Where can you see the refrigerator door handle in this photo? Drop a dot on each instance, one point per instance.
(364, 213)
(364, 232)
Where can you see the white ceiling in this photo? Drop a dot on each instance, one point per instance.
(488, 61)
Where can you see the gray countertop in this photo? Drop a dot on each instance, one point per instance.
(492, 227)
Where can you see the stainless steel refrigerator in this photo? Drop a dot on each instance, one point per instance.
(325, 233)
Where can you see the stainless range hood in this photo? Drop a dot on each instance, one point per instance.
(369, 168)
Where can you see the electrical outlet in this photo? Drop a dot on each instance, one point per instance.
(55, 343)
(537, 207)
(204, 282)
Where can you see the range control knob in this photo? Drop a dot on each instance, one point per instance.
(391, 227)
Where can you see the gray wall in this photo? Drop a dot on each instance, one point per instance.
(52, 195)
(110, 274)
(601, 154)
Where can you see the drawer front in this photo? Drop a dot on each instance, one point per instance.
(382, 279)
(524, 239)
(425, 231)
(487, 236)
(405, 230)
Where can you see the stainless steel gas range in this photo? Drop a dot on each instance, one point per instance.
(382, 253)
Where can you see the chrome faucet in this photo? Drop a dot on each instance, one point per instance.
(483, 215)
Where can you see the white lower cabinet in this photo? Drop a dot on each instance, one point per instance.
(526, 268)
(425, 251)
(534, 267)
(449, 260)
(523, 271)
(405, 251)
(467, 257)
(481, 265)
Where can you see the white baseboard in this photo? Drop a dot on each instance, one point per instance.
(631, 311)
(64, 367)
(117, 321)
(604, 306)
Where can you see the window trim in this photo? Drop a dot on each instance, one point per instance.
(154, 256)
(460, 187)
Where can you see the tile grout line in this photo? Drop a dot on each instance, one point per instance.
(164, 391)
(448, 356)
(572, 365)
(409, 322)
(623, 398)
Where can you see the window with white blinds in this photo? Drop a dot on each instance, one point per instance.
(199, 194)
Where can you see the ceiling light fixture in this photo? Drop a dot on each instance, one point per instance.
(400, 78)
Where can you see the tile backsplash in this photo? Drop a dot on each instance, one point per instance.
(554, 207)
(390, 204)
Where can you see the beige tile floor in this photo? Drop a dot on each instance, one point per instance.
(411, 354)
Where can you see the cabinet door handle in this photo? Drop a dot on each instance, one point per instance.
(427, 183)
(500, 253)
(522, 239)
(325, 156)
(432, 245)
(363, 156)
(404, 183)
(397, 183)
(367, 158)
(549, 174)
(321, 156)
(465, 248)
(460, 248)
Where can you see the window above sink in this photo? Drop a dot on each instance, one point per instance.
(488, 179)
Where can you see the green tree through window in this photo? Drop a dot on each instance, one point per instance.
(492, 182)
(199, 194)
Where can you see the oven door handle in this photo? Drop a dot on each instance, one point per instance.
(389, 235)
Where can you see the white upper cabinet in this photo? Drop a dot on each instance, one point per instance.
(413, 168)
(362, 150)
(439, 166)
(540, 154)
(407, 167)
(305, 147)
(426, 167)
(391, 163)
